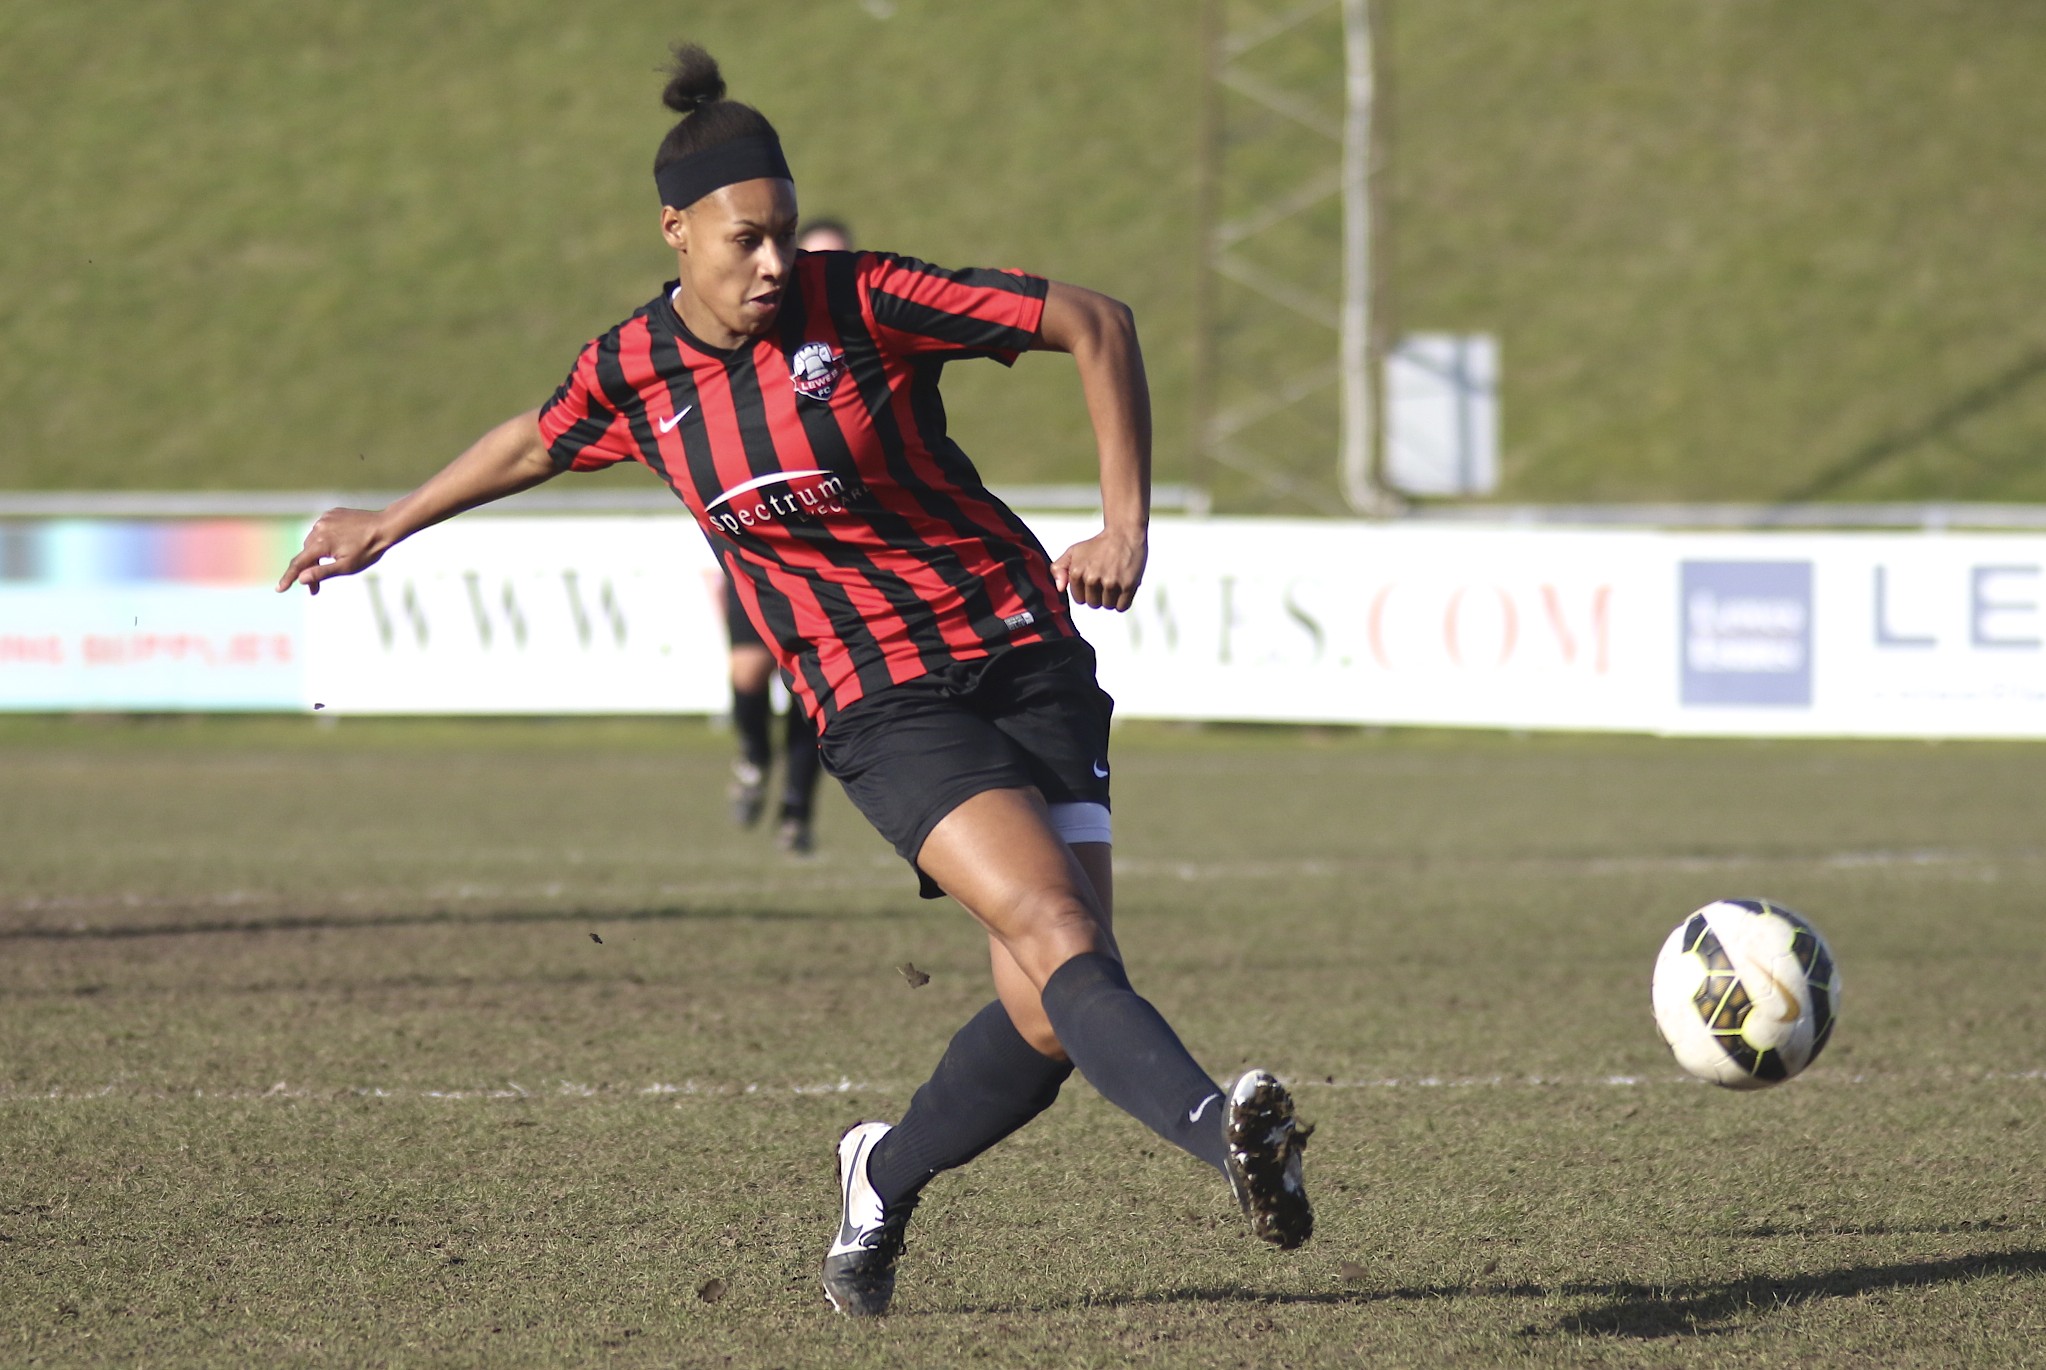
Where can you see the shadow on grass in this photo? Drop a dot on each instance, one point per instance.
(1992, 394)
(1633, 1310)
(1879, 1229)
(670, 913)
(1630, 1309)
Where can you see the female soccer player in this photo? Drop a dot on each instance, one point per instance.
(791, 402)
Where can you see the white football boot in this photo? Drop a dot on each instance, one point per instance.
(859, 1270)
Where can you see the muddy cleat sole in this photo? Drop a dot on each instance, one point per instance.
(859, 1270)
(1265, 1142)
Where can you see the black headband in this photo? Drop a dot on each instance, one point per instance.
(688, 179)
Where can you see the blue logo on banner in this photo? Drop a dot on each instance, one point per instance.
(1747, 632)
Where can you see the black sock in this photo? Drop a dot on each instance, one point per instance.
(800, 765)
(1131, 1055)
(750, 715)
(988, 1083)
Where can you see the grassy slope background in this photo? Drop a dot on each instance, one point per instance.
(1755, 250)
(1750, 250)
(271, 246)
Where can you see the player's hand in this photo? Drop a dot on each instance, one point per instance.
(1104, 571)
(340, 543)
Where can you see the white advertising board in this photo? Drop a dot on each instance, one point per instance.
(1790, 634)
(148, 648)
(1285, 621)
(1317, 621)
(526, 615)
(1860, 634)
(148, 614)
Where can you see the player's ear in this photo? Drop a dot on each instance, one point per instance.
(675, 227)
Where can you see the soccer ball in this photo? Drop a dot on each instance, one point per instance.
(1745, 993)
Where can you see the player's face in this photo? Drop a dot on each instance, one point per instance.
(734, 247)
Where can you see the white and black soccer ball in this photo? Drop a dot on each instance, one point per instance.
(1745, 993)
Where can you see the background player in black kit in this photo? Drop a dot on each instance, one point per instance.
(752, 668)
(791, 403)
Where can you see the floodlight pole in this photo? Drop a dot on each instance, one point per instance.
(1208, 200)
(1360, 426)
(1260, 392)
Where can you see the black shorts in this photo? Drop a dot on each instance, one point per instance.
(911, 753)
(737, 626)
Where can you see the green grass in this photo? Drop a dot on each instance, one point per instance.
(309, 1053)
(253, 245)
(1759, 250)
(1754, 249)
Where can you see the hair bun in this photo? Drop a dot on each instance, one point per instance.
(693, 80)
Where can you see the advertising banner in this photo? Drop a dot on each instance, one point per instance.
(142, 615)
(1315, 621)
(1304, 621)
(1238, 620)
(527, 615)
(1861, 634)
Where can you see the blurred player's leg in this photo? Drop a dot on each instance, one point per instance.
(800, 769)
(752, 712)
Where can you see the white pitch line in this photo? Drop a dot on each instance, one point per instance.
(692, 1089)
(885, 871)
(562, 1089)
(1329, 868)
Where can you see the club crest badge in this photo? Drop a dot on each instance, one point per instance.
(815, 370)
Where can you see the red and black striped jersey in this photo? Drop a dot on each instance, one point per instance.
(861, 540)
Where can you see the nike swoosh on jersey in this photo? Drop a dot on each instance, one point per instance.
(1100, 771)
(667, 425)
(1194, 1114)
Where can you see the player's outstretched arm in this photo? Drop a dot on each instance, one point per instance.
(1101, 334)
(509, 458)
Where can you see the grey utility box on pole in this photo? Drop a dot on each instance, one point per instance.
(1442, 414)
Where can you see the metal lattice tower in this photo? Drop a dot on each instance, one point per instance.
(1286, 371)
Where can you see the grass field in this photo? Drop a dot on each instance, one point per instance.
(310, 1052)
(1751, 249)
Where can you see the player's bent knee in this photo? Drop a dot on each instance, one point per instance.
(1056, 915)
(1044, 1042)
(1048, 929)
(1036, 1029)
